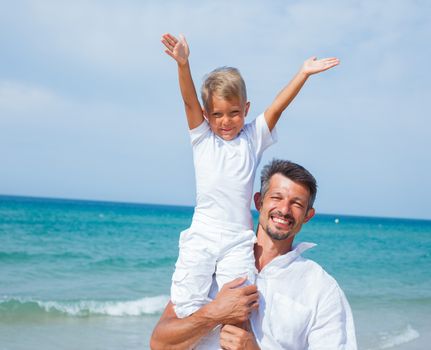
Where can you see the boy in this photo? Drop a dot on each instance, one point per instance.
(226, 154)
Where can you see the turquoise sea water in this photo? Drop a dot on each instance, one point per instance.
(96, 275)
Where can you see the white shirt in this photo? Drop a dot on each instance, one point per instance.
(300, 307)
(225, 172)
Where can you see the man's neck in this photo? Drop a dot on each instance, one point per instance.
(267, 248)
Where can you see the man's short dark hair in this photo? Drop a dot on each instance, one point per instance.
(292, 171)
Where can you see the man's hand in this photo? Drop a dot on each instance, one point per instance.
(235, 338)
(313, 65)
(234, 304)
(177, 49)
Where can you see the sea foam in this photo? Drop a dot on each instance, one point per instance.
(144, 306)
(391, 339)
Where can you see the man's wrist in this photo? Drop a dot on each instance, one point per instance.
(209, 315)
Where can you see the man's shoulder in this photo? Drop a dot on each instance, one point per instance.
(314, 273)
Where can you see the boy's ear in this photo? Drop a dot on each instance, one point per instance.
(204, 112)
(247, 107)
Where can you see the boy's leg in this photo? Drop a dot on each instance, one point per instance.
(236, 258)
(194, 270)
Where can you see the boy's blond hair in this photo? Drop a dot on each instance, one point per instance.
(225, 82)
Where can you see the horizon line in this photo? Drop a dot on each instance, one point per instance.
(187, 206)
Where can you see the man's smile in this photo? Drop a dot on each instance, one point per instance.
(285, 221)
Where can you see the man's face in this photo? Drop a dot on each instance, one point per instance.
(283, 209)
(226, 117)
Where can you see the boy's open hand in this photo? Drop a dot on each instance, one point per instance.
(313, 65)
(177, 49)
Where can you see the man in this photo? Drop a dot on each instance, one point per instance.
(297, 306)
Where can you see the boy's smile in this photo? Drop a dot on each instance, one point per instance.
(226, 117)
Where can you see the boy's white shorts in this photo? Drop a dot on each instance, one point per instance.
(203, 252)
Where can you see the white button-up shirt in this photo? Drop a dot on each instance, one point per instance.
(300, 307)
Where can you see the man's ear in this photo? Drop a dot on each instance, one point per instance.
(309, 215)
(257, 201)
(247, 107)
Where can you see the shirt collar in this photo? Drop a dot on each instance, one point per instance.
(285, 260)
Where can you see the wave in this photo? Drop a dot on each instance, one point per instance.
(118, 262)
(133, 263)
(84, 308)
(16, 257)
(391, 339)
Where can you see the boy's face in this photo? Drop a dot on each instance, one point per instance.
(226, 118)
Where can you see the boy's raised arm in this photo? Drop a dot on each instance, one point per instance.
(178, 49)
(283, 99)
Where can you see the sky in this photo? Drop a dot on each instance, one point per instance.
(90, 106)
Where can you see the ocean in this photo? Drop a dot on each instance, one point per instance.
(96, 275)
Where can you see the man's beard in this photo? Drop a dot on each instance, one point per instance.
(277, 236)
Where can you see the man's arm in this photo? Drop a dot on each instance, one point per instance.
(283, 99)
(178, 49)
(231, 306)
(180, 333)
